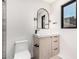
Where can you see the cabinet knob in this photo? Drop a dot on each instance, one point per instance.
(56, 36)
(50, 36)
(55, 41)
(55, 48)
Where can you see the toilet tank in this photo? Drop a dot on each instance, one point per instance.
(21, 45)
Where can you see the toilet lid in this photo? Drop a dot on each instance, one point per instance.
(22, 55)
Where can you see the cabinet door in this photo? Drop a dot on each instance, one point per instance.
(36, 52)
(45, 48)
(35, 48)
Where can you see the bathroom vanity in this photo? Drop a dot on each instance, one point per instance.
(45, 47)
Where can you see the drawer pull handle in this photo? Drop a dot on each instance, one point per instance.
(55, 48)
(36, 45)
(55, 36)
(55, 41)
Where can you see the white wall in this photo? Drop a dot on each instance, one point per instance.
(68, 37)
(20, 22)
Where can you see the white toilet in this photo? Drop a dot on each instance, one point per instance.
(21, 50)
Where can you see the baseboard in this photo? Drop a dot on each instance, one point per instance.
(32, 57)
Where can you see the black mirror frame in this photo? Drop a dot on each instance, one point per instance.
(37, 18)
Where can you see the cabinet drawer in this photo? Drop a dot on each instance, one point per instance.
(54, 46)
(56, 36)
(55, 41)
(55, 51)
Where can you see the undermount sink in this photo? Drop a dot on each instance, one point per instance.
(42, 35)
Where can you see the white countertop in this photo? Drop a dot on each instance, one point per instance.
(44, 35)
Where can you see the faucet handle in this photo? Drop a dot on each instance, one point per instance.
(38, 29)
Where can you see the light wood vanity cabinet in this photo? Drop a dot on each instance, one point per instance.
(45, 47)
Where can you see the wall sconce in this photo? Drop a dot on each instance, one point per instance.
(49, 21)
(3, 0)
(54, 22)
(35, 19)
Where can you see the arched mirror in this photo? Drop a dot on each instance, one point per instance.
(42, 19)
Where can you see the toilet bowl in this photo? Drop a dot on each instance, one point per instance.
(21, 50)
(22, 55)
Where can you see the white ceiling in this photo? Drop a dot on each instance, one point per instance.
(49, 1)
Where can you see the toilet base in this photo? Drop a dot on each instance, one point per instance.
(56, 57)
(22, 55)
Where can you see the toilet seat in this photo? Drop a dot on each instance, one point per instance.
(22, 55)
